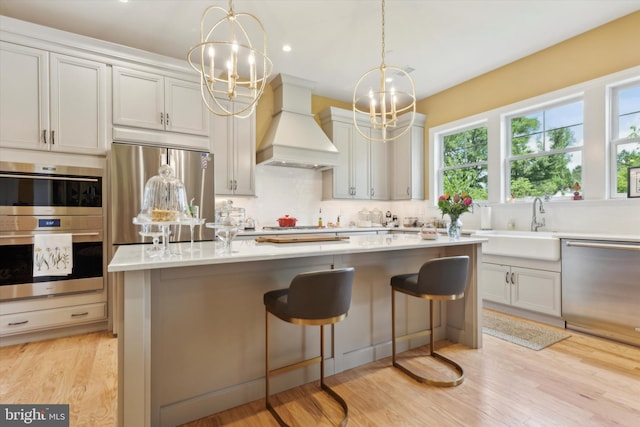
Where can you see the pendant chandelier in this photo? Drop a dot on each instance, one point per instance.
(383, 94)
(233, 69)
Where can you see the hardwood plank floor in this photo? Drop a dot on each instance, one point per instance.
(580, 381)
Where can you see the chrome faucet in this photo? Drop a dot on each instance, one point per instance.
(535, 224)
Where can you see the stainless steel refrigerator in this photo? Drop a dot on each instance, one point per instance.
(130, 168)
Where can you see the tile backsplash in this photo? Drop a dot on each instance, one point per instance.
(298, 192)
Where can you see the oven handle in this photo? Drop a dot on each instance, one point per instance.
(55, 178)
(19, 236)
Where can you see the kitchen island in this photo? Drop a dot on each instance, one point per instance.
(191, 332)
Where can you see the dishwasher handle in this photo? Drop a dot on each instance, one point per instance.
(604, 246)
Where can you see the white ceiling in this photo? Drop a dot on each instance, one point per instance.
(336, 41)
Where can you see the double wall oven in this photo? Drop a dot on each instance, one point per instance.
(50, 200)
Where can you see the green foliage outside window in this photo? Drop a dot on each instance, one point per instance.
(550, 174)
(465, 157)
(628, 156)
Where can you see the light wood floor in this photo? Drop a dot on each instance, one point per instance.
(581, 381)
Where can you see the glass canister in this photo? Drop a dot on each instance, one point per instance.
(164, 199)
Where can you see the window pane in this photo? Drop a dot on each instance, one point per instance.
(465, 147)
(552, 175)
(629, 126)
(628, 112)
(629, 100)
(472, 180)
(627, 155)
(563, 116)
(560, 138)
(526, 125)
(557, 128)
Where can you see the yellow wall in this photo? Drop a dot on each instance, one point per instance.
(604, 50)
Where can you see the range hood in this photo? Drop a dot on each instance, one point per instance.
(294, 138)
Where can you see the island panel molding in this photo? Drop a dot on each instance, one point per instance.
(192, 335)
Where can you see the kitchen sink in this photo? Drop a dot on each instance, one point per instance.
(542, 245)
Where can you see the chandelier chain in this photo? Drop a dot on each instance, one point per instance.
(382, 33)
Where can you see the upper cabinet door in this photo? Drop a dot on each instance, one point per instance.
(24, 97)
(138, 99)
(78, 101)
(378, 168)
(233, 144)
(184, 108)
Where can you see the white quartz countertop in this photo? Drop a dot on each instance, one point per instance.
(135, 257)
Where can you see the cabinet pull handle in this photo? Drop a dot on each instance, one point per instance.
(506, 278)
(167, 119)
(18, 323)
(44, 136)
(235, 185)
(79, 314)
(53, 137)
(161, 118)
(513, 278)
(408, 191)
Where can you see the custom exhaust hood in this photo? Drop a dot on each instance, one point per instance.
(294, 138)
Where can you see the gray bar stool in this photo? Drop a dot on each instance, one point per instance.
(313, 299)
(438, 279)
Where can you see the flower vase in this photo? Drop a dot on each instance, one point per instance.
(454, 228)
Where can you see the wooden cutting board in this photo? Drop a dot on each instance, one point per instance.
(299, 239)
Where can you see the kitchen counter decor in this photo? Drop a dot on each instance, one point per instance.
(454, 206)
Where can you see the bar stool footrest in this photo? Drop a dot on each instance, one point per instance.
(430, 381)
(335, 396)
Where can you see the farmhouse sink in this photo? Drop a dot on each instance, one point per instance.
(540, 245)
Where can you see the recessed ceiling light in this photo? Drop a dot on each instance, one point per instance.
(124, 1)
(286, 48)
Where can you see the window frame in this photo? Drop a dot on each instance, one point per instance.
(614, 142)
(596, 149)
(440, 153)
(508, 148)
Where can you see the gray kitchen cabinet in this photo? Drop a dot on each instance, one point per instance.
(153, 101)
(51, 102)
(362, 170)
(25, 320)
(233, 144)
(527, 288)
(407, 161)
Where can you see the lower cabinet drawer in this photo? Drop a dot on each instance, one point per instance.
(44, 319)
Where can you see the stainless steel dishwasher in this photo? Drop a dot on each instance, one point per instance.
(601, 288)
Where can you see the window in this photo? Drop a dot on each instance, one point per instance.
(625, 138)
(546, 151)
(464, 166)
